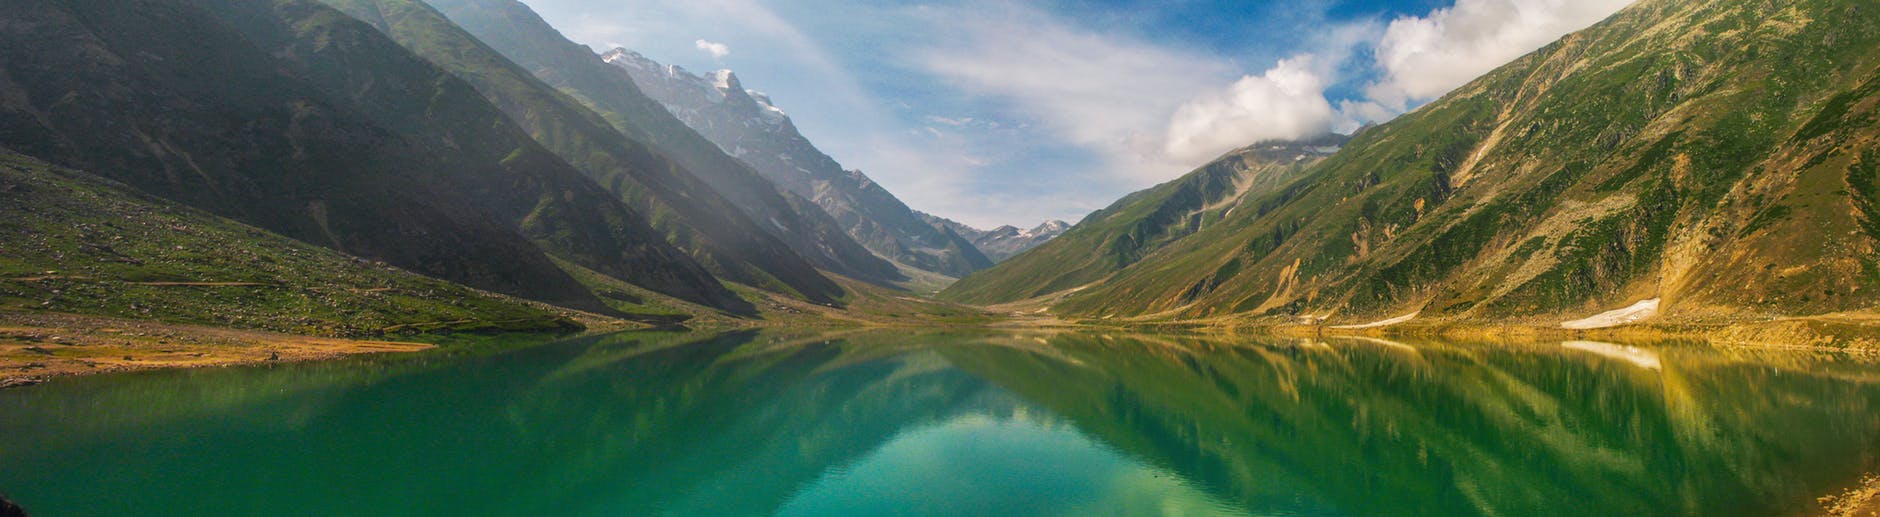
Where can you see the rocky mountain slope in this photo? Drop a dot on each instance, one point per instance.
(1713, 157)
(230, 108)
(1003, 242)
(1142, 223)
(510, 28)
(745, 124)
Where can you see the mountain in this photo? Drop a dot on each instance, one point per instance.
(169, 97)
(610, 100)
(77, 243)
(1003, 242)
(747, 125)
(689, 212)
(1142, 223)
(1711, 158)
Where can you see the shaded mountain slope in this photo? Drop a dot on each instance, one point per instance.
(748, 126)
(519, 35)
(691, 213)
(1715, 155)
(494, 160)
(166, 98)
(1142, 223)
(75, 243)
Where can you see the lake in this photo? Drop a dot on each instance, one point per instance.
(960, 423)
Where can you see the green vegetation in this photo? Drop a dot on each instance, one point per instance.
(175, 102)
(1142, 223)
(697, 211)
(76, 243)
(1705, 153)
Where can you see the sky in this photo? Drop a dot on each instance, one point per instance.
(995, 112)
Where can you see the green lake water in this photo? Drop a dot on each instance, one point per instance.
(902, 423)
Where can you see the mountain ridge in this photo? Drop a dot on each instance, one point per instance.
(693, 214)
(1733, 181)
(1003, 242)
(167, 98)
(521, 37)
(748, 126)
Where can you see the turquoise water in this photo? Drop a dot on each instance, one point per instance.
(958, 424)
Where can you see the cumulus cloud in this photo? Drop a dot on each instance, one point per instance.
(717, 50)
(1287, 102)
(1425, 57)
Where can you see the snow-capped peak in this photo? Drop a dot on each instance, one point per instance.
(629, 59)
(725, 81)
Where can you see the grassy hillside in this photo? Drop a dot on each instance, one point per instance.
(1717, 155)
(75, 243)
(1142, 223)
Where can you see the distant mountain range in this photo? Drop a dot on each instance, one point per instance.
(1702, 159)
(745, 124)
(1003, 242)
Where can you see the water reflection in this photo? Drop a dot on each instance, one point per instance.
(959, 423)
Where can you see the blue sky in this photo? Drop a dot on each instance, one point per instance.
(1012, 112)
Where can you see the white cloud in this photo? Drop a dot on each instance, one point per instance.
(1425, 57)
(1104, 93)
(1287, 102)
(1035, 113)
(717, 50)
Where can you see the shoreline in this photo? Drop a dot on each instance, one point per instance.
(1854, 333)
(37, 347)
(1863, 500)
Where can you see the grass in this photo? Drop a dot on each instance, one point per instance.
(1691, 134)
(75, 243)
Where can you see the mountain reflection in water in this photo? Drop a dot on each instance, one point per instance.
(962, 423)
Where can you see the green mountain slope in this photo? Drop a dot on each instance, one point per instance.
(1140, 224)
(700, 213)
(493, 160)
(1716, 155)
(162, 96)
(519, 34)
(73, 242)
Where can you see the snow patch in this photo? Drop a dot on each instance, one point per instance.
(1381, 323)
(770, 112)
(1638, 312)
(1643, 358)
(1383, 342)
